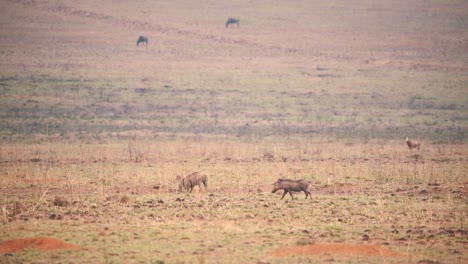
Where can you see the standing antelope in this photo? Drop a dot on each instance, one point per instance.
(232, 21)
(142, 39)
(412, 144)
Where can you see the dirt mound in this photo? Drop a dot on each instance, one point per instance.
(335, 249)
(38, 243)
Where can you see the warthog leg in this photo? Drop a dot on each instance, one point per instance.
(290, 193)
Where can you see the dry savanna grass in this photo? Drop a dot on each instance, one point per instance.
(122, 209)
(356, 70)
(94, 131)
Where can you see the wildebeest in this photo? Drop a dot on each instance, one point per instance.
(192, 180)
(289, 185)
(142, 39)
(232, 20)
(412, 144)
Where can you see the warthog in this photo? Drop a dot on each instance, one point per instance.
(192, 180)
(290, 186)
(232, 21)
(142, 39)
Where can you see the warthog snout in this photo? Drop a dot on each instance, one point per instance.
(275, 187)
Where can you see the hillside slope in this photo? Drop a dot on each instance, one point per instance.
(355, 70)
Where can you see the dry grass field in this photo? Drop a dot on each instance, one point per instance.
(349, 70)
(94, 131)
(120, 210)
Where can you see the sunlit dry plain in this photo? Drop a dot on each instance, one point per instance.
(124, 210)
(95, 130)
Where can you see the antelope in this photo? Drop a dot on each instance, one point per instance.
(412, 144)
(232, 21)
(142, 39)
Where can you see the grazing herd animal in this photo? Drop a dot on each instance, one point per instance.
(142, 39)
(232, 20)
(413, 144)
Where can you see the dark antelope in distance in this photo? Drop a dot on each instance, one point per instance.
(232, 21)
(413, 144)
(192, 180)
(290, 186)
(142, 39)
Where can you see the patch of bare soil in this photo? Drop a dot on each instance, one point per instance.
(340, 188)
(335, 249)
(431, 189)
(38, 243)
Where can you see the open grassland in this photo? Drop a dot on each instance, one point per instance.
(354, 70)
(124, 205)
(94, 130)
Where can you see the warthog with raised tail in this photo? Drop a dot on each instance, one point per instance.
(192, 180)
(290, 186)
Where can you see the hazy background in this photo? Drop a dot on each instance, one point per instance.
(322, 70)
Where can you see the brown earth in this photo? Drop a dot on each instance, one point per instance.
(335, 249)
(38, 243)
(340, 188)
(291, 59)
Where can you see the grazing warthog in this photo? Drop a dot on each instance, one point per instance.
(142, 39)
(290, 186)
(232, 20)
(192, 180)
(413, 144)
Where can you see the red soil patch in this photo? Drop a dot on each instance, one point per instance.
(335, 249)
(38, 243)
